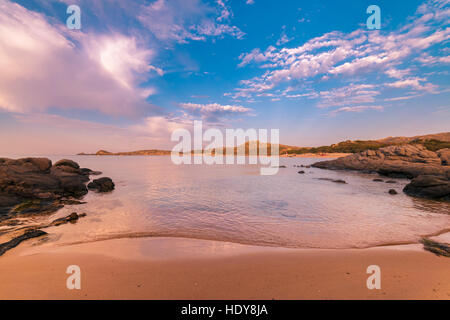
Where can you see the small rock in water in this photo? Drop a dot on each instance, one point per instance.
(391, 181)
(70, 218)
(431, 187)
(378, 180)
(301, 172)
(332, 180)
(67, 163)
(392, 191)
(102, 185)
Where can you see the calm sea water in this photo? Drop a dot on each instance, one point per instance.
(154, 197)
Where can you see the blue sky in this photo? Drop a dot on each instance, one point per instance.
(136, 70)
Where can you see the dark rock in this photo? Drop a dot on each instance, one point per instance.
(67, 163)
(71, 202)
(392, 191)
(37, 206)
(34, 185)
(332, 180)
(12, 222)
(378, 180)
(444, 155)
(437, 248)
(29, 234)
(70, 218)
(87, 172)
(431, 187)
(391, 181)
(301, 172)
(102, 185)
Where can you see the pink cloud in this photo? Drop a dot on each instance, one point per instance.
(42, 68)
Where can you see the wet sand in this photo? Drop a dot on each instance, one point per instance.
(171, 268)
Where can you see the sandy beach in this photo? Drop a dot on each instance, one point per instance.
(171, 268)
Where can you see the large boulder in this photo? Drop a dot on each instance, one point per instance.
(426, 186)
(67, 163)
(26, 164)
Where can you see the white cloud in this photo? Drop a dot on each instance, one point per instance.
(225, 11)
(357, 109)
(43, 68)
(284, 39)
(184, 20)
(398, 74)
(352, 94)
(428, 60)
(342, 56)
(214, 111)
(414, 83)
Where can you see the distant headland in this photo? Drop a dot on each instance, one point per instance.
(432, 142)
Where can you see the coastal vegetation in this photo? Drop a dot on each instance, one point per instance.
(432, 142)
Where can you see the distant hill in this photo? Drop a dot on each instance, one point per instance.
(151, 152)
(281, 147)
(432, 142)
(445, 137)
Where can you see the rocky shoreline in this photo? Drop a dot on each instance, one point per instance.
(35, 186)
(428, 171)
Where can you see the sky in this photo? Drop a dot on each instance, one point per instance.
(137, 70)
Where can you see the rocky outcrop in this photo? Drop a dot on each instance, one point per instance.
(407, 161)
(35, 185)
(31, 186)
(444, 155)
(429, 170)
(102, 185)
